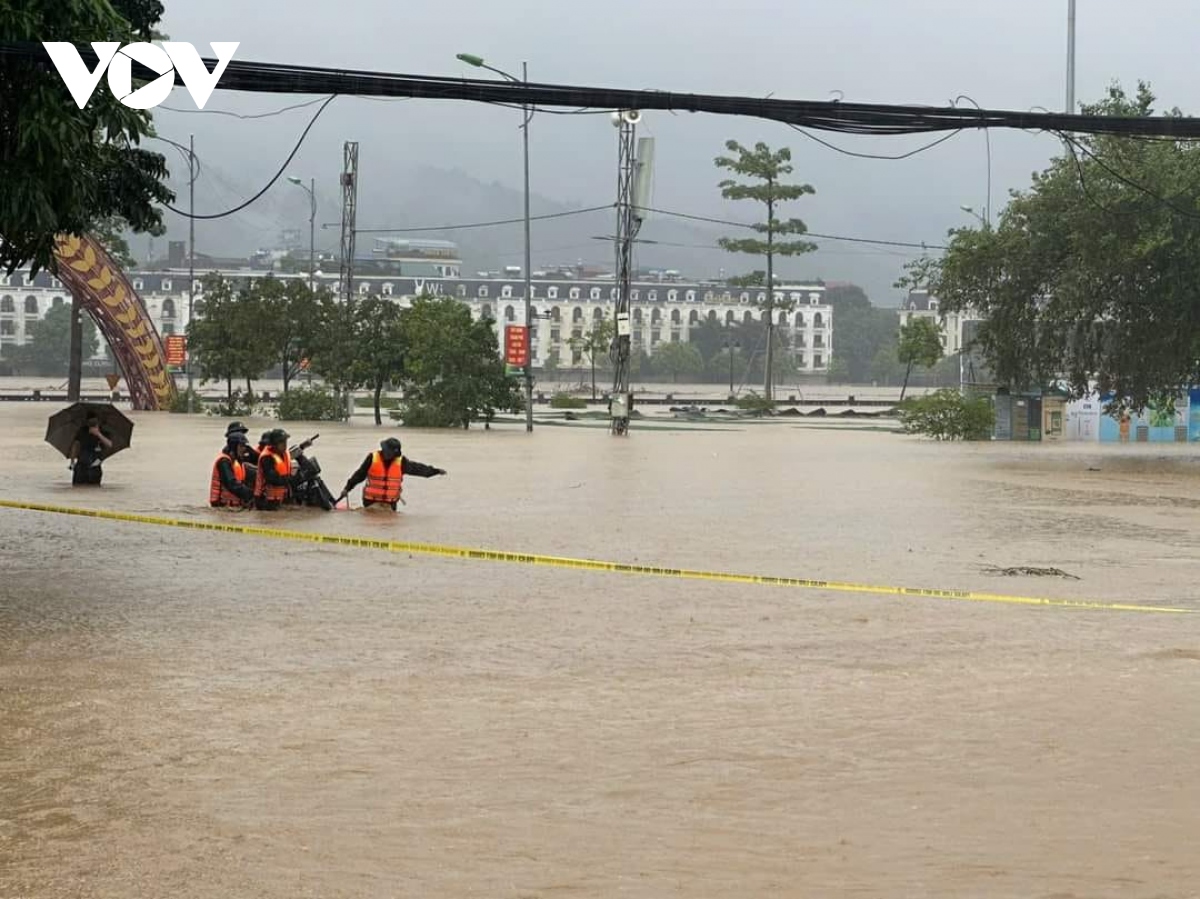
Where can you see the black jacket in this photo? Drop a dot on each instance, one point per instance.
(407, 466)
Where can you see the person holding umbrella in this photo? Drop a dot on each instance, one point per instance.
(87, 434)
(87, 450)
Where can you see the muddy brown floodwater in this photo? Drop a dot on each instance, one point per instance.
(195, 714)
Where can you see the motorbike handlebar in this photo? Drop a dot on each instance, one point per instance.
(305, 445)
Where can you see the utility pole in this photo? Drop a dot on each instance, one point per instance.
(628, 224)
(1070, 57)
(528, 266)
(191, 259)
(349, 215)
(349, 230)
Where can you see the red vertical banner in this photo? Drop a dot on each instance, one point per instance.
(176, 349)
(516, 345)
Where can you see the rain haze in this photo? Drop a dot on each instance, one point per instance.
(667, 637)
(426, 163)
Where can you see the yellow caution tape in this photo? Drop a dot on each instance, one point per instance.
(490, 555)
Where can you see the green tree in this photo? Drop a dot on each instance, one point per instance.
(109, 233)
(752, 336)
(768, 168)
(289, 316)
(47, 350)
(845, 297)
(1090, 274)
(861, 334)
(336, 352)
(381, 344)
(594, 344)
(948, 415)
(453, 371)
(721, 365)
(709, 337)
(66, 169)
(677, 359)
(839, 369)
(885, 367)
(920, 344)
(223, 335)
(551, 366)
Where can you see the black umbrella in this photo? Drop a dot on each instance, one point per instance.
(65, 424)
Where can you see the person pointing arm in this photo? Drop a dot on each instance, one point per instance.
(384, 471)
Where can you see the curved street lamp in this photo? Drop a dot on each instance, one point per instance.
(312, 224)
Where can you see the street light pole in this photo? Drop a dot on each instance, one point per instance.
(528, 266)
(312, 226)
(970, 210)
(478, 62)
(1070, 57)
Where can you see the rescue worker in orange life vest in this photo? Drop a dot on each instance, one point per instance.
(228, 485)
(273, 484)
(384, 471)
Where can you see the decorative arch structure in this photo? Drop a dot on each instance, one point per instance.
(95, 280)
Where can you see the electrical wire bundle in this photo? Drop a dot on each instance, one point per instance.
(847, 118)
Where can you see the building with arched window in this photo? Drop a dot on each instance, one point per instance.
(663, 309)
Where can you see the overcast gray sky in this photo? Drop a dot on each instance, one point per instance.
(1007, 55)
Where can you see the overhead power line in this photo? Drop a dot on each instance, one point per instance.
(668, 212)
(462, 227)
(815, 234)
(282, 169)
(847, 118)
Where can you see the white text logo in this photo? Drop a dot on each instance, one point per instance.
(171, 57)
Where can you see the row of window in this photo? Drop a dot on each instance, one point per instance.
(8, 306)
(597, 293)
(7, 281)
(577, 315)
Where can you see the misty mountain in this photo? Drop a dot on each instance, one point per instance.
(429, 198)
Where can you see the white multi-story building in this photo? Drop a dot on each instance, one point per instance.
(661, 312)
(957, 328)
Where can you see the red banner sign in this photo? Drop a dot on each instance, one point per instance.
(516, 345)
(176, 349)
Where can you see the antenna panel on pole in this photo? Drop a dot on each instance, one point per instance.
(644, 178)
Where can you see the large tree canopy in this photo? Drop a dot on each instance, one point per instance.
(1092, 275)
(65, 169)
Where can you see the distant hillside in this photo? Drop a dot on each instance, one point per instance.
(419, 197)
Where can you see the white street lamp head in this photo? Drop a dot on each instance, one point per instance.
(295, 180)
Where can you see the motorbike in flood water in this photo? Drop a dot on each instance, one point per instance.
(309, 488)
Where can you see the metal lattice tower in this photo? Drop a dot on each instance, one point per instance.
(628, 224)
(349, 215)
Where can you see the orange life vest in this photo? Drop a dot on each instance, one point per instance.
(384, 482)
(283, 467)
(217, 494)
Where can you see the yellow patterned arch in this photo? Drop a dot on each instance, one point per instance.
(103, 290)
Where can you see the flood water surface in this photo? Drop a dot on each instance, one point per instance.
(194, 714)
